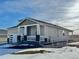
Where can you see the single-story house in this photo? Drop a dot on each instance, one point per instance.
(3, 36)
(31, 30)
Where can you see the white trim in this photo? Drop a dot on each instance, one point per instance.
(38, 29)
(25, 30)
(18, 30)
(28, 25)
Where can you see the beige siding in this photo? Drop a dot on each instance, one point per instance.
(27, 22)
(51, 33)
(56, 34)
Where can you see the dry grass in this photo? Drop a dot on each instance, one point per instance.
(33, 52)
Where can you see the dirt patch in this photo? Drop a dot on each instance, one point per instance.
(33, 52)
(74, 46)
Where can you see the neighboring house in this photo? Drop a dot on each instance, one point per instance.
(32, 30)
(3, 36)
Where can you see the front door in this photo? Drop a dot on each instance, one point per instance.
(31, 31)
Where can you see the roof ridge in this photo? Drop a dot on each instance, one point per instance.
(29, 18)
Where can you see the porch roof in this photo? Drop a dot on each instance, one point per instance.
(35, 20)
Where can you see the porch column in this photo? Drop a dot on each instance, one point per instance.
(38, 29)
(38, 33)
(25, 30)
(45, 34)
(25, 34)
(18, 30)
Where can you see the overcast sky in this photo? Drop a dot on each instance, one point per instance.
(61, 12)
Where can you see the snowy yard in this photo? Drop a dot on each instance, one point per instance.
(4, 50)
(56, 53)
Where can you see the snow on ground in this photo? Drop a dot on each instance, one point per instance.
(4, 50)
(74, 43)
(56, 53)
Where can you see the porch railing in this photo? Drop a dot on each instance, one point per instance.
(33, 38)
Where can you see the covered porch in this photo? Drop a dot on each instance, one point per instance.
(31, 33)
(31, 30)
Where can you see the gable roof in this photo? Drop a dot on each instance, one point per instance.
(35, 20)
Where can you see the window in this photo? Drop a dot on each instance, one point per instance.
(63, 33)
